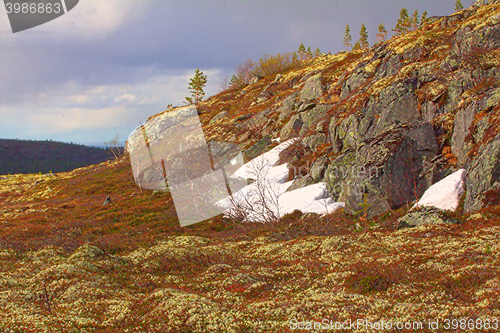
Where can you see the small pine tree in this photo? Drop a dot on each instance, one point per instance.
(403, 24)
(295, 58)
(357, 46)
(415, 21)
(309, 53)
(423, 20)
(363, 37)
(234, 82)
(458, 6)
(196, 86)
(317, 53)
(302, 51)
(382, 33)
(347, 37)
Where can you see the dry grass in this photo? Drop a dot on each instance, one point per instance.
(254, 277)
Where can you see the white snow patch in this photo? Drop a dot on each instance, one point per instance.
(444, 194)
(264, 161)
(267, 195)
(310, 199)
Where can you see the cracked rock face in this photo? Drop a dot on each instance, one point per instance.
(313, 89)
(484, 176)
(384, 172)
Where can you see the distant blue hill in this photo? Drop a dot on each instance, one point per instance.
(22, 156)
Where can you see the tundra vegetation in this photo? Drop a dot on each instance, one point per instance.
(416, 108)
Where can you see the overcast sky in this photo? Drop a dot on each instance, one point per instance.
(107, 65)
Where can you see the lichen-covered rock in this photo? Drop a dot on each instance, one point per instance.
(466, 40)
(292, 127)
(491, 99)
(311, 118)
(313, 141)
(288, 107)
(355, 80)
(319, 168)
(300, 124)
(346, 134)
(463, 120)
(219, 116)
(395, 104)
(390, 66)
(426, 215)
(258, 121)
(385, 172)
(312, 89)
(300, 183)
(222, 152)
(258, 148)
(484, 175)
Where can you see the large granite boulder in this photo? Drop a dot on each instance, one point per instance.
(395, 104)
(384, 172)
(346, 134)
(303, 122)
(312, 89)
(288, 107)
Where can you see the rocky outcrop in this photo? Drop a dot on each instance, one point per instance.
(303, 122)
(464, 133)
(396, 104)
(312, 89)
(384, 172)
(380, 126)
(288, 107)
(219, 116)
(346, 134)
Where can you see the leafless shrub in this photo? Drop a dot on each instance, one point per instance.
(112, 145)
(259, 201)
(245, 71)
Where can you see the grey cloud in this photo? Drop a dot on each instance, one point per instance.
(174, 36)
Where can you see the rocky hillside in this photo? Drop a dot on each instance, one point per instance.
(379, 126)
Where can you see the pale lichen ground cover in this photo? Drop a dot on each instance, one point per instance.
(195, 284)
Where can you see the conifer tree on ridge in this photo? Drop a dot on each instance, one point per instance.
(382, 33)
(196, 86)
(363, 37)
(403, 25)
(347, 37)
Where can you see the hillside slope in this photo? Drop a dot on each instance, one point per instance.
(380, 125)
(67, 263)
(392, 119)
